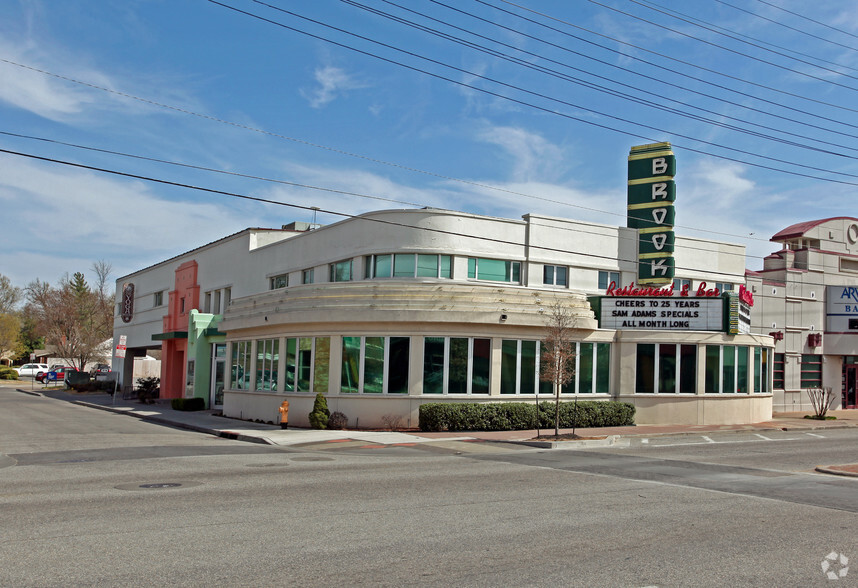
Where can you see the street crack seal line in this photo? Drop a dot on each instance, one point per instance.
(148, 486)
(6, 461)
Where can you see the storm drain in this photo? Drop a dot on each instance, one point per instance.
(157, 486)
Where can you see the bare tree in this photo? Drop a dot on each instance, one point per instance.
(10, 335)
(74, 317)
(10, 295)
(557, 361)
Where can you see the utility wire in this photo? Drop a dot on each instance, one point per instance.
(781, 47)
(807, 18)
(673, 15)
(622, 95)
(734, 51)
(331, 212)
(577, 230)
(668, 57)
(520, 89)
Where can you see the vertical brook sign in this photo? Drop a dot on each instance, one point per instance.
(651, 195)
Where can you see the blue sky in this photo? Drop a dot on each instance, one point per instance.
(404, 117)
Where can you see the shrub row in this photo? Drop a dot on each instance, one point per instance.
(188, 404)
(513, 416)
(91, 386)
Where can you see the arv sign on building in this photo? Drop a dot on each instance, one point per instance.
(841, 309)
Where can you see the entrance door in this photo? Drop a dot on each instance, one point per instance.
(850, 400)
(218, 375)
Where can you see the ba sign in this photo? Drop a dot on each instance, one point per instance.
(651, 194)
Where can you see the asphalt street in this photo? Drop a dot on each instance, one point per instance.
(95, 498)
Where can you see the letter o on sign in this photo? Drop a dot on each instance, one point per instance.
(127, 312)
(852, 233)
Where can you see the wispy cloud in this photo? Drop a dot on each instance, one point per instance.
(531, 155)
(332, 82)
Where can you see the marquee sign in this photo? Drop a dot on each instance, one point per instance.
(841, 309)
(662, 314)
(651, 194)
(666, 309)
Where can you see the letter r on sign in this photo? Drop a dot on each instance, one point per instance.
(659, 190)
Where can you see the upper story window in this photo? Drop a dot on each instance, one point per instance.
(341, 271)
(555, 275)
(276, 282)
(407, 265)
(494, 270)
(207, 304)
(679, 283)
(307, 276)
(605, 279)
(158, 299)
(724, 286)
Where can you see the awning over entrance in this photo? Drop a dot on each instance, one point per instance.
(170, 335)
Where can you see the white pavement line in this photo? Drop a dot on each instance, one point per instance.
(815, 435)
(644, 441)
(763, 437)
(708, 440)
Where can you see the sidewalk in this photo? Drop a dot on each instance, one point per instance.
(210, 422)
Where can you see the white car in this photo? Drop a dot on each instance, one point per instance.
(31, 369)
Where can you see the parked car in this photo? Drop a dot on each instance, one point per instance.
(100, 371)
(60, 372)
(31, 369)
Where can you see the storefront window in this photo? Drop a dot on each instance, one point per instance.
(666, 368)
(303, 369)
(456, 365)
(291, 348)
(350, 377)
(761, 369)
(585, 368)
(240, 370)
(433, 365)
(645, 374)
(603, 368)
(727, 369)
(267, 363)
(374, 365)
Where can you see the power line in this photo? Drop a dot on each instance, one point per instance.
(327, 211)
(795, 29)
(318, 188)
(536, 94)
(622, 95)
(807, 18)
(668, 57)
(682, 18)
(734, 51)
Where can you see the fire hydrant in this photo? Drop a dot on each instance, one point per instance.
(284, 414)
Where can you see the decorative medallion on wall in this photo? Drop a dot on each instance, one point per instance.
(127, 309)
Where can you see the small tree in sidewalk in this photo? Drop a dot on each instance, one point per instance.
(820, 399)
(557, 361)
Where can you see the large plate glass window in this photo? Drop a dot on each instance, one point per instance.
(241, 368)
(666, 368)
(456, 365)
(267, 364)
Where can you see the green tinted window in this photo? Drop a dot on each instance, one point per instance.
(350, 377)
(373, 374)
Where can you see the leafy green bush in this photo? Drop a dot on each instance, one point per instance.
(320, 415)
(188, 404)
(7, 373)
(516, 416)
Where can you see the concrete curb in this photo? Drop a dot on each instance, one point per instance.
(608, 441)
(835, 472)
